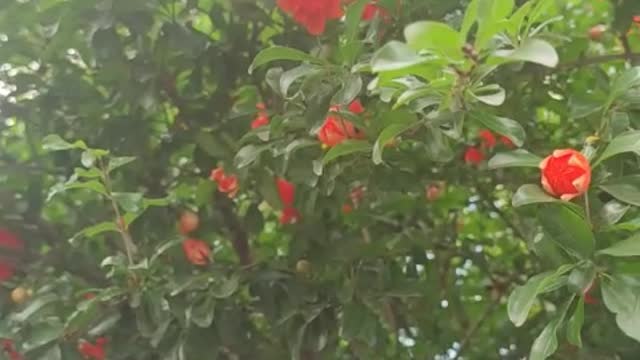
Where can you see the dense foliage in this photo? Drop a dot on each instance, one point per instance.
(319, 179)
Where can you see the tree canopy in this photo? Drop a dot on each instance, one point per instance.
(319, 179)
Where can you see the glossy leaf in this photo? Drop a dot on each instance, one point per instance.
(515, 158)
(626, 189)
(627, 247)
(568, 229)
(275, 53)
(503, 126)
(532, 50)
(347, 147)
(574, 325)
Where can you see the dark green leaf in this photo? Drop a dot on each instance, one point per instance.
(627, 247)
(130, 202)
(275, 53)
(386, 136)
(625, 189)
(394, 56)
(248, 154)
(612, 212)
(503, 126)
(568, 229)
(43, 333)
(116, 162)
(574, 325)
(626, 142)
(34, 306)
(531, 194)
(618, 296)
(546, 343)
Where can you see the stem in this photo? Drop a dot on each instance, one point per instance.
(129, 246)
(587, 208)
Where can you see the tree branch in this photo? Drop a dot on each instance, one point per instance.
(239, 236)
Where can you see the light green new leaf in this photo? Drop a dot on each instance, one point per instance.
(625, 189)
(516, 158)
(56, 143)
(394, 56)
(434, 36)
(627, 247)
(275, 53)
(532, 50)
(346, 148)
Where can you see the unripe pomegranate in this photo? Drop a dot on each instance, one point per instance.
(19, 295)
(303, 267)
(596, 32)
(189, 222)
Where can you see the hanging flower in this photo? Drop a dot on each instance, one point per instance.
(565, 173)
(312, 14)
(473, 156)
(93, 351)
(227, 184)
(487, 139)
(196, 251)
(287, 193)
(371, 10)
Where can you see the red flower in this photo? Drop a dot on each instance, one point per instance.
(336, 129)
(473, 156)
(312, 14)
(196, 251)
(287, 192)
(636, 19)
(261, 106)
(487, 139)
(289, 216)
(372, 9)
(10, 241)
(507, 142)
(565, 174)
(6, 271)
(261, 120)
(227, 184)
(93, 352)
(9, 348)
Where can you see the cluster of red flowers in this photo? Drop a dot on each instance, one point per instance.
(335, 129)
(262, 119)
(10, 350)
(12, 244)
(475, 155)
(91, 351)
(196, 251)
(287, 192)
(565, 173)
(355, 198)
(227, 184)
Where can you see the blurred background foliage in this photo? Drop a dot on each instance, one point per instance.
(403, 275)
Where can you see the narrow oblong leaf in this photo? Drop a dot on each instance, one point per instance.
(627, 247)
(275, 53)
(516, 158)
(574, 325)
(626, 189)
(546, 343)
(346, 148)
(532, 50)
(625, 142)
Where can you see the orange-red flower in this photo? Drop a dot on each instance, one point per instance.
(565, 173)
(487, 139)
(10, 350)
(473, 156)
(312, 14)
(372, 9)
(196, 251)
(227, 184)
(290, 215)
(347, 209)
(336, 129)
(91, 351)
(636, 19)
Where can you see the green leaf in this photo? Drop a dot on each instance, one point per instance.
(56, 143)
(394, 56)
(387, 135)
(625, 189)
(435, 36)
(105, 324)
(574, 325)
(470, 16)
(581, 278)
(43, 333)
(624, 82)
(612, 212)
(627, 247)
(227, 288)
(546, 343)
(130, 202)
(437, 145)
(493, 95)
(628, 321)
(568, 229)
(290, 76)
(51, 353)
(97, 229)
(516, 158)
(503, 126)
(275, 53)
(625, 142)
(353, 19)
(34, 306)
(531, 194)
(532, 50)
(93, 185)
(346, 148)
(116, 162)
(617, 295)
(523, 297)
(203, 312)
(248, 154)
